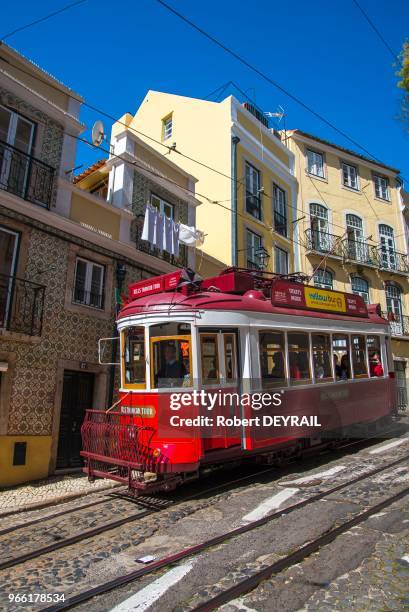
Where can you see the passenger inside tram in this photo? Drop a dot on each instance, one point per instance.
(345, 367)
(173, 371)
(278, 368)
(376, 365)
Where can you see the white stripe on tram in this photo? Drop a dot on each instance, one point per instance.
(382, 449)
(271, 503)
(143, 599)
(326, 474)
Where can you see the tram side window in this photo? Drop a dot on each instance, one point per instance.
(359, 357)
(340, 349)
(210, 359)
(321, 351)
(299, 357)
(134, 356)
(374, 356)
(230, 357)
(170, 355)
(272, 358)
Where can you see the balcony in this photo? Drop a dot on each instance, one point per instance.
(360, 252)
(398, 323)
(393, 261)
(280, 224)
(21, 305)
(25, 176)
(253, 205)
(322, 242)
(145, 247)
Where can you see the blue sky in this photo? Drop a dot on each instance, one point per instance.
(323, 52)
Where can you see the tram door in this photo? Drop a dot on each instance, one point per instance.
(77, 395)
(220, 369)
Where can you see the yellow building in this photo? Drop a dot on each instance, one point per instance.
(352, 231)
(245, 178)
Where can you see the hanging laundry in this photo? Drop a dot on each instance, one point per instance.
(190, 235)
(168, 237)
(175, 239)
(149, 223)
(158, 238)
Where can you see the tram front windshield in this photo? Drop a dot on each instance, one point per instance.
(170, 355)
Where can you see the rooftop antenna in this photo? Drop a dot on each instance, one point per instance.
(279, 114)
(98, 133)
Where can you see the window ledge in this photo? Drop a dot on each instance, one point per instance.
(383, 200)
(352, 189)
(88, 310)
(19, 337)
(323, 179)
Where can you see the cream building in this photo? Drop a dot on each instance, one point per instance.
(352, 231)
(245, 178)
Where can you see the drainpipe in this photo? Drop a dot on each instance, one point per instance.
(120, 272)
(234, 142)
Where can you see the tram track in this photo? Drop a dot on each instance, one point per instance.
(301, 553)
(150, 506)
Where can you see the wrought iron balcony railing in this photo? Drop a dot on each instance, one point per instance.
(322, 242)
(142, 245)
(361, 252)
(95, 299)
(21, 305)
(399, 324)
(280, 224)
(253, 205)
(392, 260)
(25, 176)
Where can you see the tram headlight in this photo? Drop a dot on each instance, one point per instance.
(156, 452)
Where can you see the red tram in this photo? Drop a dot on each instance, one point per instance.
(324, 355)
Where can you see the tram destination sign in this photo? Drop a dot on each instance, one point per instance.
(157, 284)
(295, 295)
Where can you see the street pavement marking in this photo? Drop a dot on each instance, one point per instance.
(271, 503)
(326, 474)
(144, 598)
(382, 449)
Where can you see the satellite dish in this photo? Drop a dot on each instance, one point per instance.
(98, 133)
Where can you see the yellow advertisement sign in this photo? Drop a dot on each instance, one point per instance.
(323, 299)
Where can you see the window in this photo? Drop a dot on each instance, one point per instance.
(350, 176)
(8, 255)
(133, 357)
(15, 131)
(373, 344)
(101, 189)
(381, 187)
(272, 359)
(170, 356)
(254, 249)
(315, 163)
(321, 352)
(341, 352)
(89, 283)
(388, 255)
(323, 279)
(167, 127)
(360, 287)
(163, 206)
(394, 307)
(299, 357)
(253, 185)
(357, 248)
(281, 261)
(320, 239)
(230, 357)
(359, 357)
(280, 211)
(210, 359)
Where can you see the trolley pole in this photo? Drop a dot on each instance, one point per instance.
(120, 272)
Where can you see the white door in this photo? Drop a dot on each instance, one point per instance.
(388, 256)
(8, 255)
(355, 233)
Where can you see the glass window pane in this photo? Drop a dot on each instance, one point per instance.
(23, 136)
(340, 349)
(210, 358)
(321, 351)
(230, 357)
(134, 356)
(171, 362)
(299, 357)
(359, 357)
(374, 356)
(272, 359)
(5, 117)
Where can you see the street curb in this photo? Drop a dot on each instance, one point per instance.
(55, 500)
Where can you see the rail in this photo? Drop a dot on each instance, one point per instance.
(25, 176)
(21, 305)
(361, 252)
(323, 242)
(398, 323)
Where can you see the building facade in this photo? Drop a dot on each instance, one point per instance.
(245, 177)
(67, 249)
(352, 232)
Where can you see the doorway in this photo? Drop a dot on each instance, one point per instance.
(77, 396)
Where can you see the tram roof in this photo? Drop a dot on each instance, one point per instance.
(252, 301)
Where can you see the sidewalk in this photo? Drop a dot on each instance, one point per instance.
(52, 490)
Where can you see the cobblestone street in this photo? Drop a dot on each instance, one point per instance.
(367, 567)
